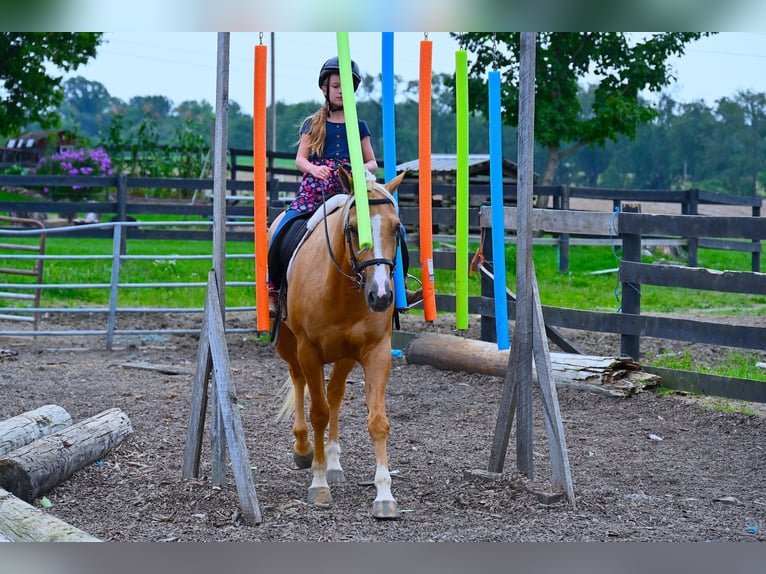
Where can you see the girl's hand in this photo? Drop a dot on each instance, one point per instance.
(322, 172)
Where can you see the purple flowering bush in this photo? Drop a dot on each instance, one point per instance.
(80, 161)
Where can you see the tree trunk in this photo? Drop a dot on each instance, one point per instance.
(618, 377)
(22, 522)
(27, 427)
(34, 469)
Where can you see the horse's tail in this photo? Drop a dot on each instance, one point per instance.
(287, 393)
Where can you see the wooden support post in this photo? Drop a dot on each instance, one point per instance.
(692, 244)
(630, 345)
(488, 329)
(518, 379)
(27, 427)
(564, 237)
(213, 358)
(32, 470)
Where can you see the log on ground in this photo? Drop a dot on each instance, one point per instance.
(612, 376)
(22, 522)
(21, 430)
(32, 470)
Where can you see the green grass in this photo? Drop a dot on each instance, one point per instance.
(138, 271)
(732, 364)
(8, 196)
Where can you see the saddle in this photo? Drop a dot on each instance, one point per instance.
(286, 243)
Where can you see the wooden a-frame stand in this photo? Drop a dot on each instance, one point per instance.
(529, 339)
(213, 358)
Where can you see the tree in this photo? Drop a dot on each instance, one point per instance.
(743, 119)
(562, 125)
(89, 102)
(29, 61)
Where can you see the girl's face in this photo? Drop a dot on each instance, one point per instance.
(332, 90)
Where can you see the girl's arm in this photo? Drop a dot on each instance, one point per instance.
(303, 163)
(368, 156)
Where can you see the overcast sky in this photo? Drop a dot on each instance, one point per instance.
(182, 65)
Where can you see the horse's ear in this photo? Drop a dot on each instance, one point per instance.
(345, 179)
(394, 184)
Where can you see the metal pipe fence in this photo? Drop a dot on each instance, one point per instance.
(112, 310)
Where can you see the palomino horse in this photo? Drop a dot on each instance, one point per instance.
(339, 311)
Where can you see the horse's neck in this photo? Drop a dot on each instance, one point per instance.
(327, 235)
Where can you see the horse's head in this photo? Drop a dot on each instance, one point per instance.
(374, 268)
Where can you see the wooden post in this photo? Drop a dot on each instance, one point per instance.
(220, 146)
(487, 324)
(122, 208)
(631, 292)
(691, 207)
(528, 337)
(564, 237)
(756, 254)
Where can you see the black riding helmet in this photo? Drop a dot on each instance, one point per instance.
(332, 66)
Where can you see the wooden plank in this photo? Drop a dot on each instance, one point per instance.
(729, 245)
(228, 410)
(693, 278)
(709, 333)
(164, 369)
(199, 400)
(561, 475)
(692, 225)
(558, 221)
(707, 384)
(633, 195)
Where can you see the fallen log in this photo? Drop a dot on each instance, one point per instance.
(611, 376)
(34, 469)
(29, 426)
(22, 522)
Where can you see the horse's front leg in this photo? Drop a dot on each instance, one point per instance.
(377, 368)
(313, 371)
(336, 388)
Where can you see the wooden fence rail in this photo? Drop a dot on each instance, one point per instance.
(629, 323)
(746, 233)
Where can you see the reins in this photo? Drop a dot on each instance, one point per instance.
(356, 266)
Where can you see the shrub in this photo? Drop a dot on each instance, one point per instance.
(82, 161)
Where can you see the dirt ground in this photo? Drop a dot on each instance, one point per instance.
(705, 480)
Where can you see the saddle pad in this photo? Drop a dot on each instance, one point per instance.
(335, 202)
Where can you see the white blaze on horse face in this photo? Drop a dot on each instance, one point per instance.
(380, 272)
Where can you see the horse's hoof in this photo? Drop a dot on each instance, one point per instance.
(336, 475)
(303, 460)
(320, 496)
(385, 510)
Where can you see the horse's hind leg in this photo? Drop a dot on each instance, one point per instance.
(336, 388)
(303, 450)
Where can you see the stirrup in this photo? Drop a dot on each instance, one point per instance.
(273, 303)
